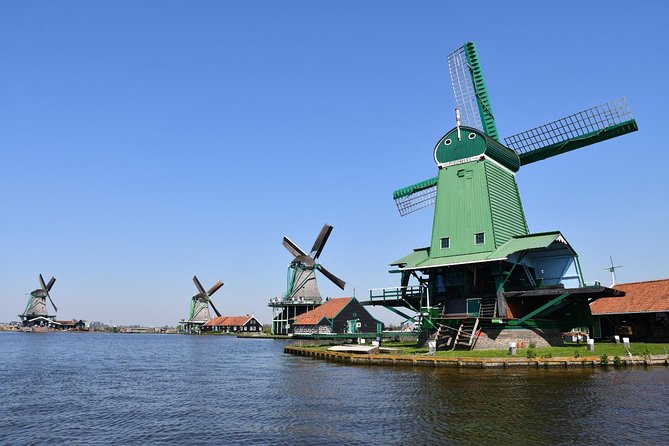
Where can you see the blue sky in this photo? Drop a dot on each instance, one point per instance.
(144, 142)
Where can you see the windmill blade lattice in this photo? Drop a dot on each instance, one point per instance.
(293, 248)
(320, 241)
(198, 285)
(47, 288)
(334, 279)
(471, 95)
(415, 197)
(593, 125)
(214, 288)
(218, 313)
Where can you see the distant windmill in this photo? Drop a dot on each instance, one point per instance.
(612, 270)
(199, 306)
(302, 277)
(36, 312)
(302, 292)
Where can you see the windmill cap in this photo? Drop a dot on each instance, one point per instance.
(471, 146)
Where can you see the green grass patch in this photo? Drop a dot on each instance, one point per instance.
(568, 350)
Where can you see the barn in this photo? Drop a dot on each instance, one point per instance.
(336, 316)
(233, 324)
(641, 315)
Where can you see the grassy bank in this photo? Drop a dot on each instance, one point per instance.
(567, 351)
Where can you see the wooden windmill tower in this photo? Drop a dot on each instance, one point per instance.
(198, 313)
(36, 312)
(302, 293)
(484, 274)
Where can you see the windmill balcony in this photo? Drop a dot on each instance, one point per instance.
(285, 301)
(380, 296)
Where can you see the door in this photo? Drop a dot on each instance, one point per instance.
(473, 306)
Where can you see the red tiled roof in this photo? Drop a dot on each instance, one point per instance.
(640, 297)
(329, 309)
(228, 321)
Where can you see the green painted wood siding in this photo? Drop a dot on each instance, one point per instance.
(475, 197)
(461, 210)
(508, 218)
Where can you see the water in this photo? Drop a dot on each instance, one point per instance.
(87, 388)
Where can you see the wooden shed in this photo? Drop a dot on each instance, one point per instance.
(336, 316)
(642, 314)
(233, 324)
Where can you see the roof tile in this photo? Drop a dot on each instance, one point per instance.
(640, 297)
(329, 310)
(228, 321)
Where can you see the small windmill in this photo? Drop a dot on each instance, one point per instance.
(612, 269)
(302, 292)
(302, 270)
(36, 312)
(199, 306)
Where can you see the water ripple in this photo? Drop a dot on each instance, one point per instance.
(157, 389)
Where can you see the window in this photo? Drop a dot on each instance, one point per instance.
(445, 242)
(479, 238)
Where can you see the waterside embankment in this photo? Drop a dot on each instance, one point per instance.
(424, 360)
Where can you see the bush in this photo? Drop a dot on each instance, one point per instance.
(604, 360)
(617, 362)
(531, 353)
(577, 354)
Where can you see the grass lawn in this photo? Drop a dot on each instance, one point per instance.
(566, 351)
(569, 350)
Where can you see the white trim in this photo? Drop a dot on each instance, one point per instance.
(452, 264)
(471, 159)
(458, 162)
(498, 164)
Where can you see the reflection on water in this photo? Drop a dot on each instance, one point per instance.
(170, 389)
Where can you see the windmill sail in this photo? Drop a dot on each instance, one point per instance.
(322, 238)
(572, 132)
(417, 196)
(471, 96)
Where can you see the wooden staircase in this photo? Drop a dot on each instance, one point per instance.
(488, 308)
(465, 339)
(444, 337)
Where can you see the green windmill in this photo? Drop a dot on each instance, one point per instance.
(485, 279)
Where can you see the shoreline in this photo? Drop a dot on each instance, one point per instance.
(473, 363)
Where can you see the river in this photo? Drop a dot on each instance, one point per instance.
(93, 388)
